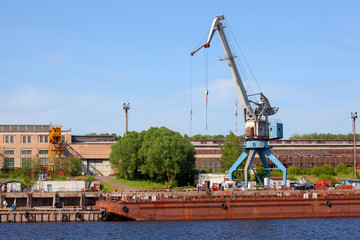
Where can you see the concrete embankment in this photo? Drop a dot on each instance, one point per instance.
(50, 207)
(49, 215)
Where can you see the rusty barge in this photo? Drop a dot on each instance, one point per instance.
(236, 205)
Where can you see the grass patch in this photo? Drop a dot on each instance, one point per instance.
(141, 184)
(107, 187)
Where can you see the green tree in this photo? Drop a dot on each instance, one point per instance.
(317, 171)
(124, 156)
(316, 135)
(231, 151)
(293, 170)
(261, 174)
(167, 156)
(205, 137)
(276, 173)
(340, 168)
(71, 166)
(328, 170)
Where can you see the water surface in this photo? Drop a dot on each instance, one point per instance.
(322, 228)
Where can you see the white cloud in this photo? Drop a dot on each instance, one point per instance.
(28, 96)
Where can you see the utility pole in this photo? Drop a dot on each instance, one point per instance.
(354, 116)
(126, 107)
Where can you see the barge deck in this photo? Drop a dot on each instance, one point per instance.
(237, 205)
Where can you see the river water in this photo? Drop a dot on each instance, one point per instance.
(324, 228)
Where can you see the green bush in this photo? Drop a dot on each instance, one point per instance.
(328, 170)
(317, 171)
(3, 174)
(340, 169)
(174, 183)
(293, 170)
(15, 173)
(276, 173)
(62, 178)
(292, 178)
(349, 170)
(90, 178)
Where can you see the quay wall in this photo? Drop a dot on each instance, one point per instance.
(53, 215)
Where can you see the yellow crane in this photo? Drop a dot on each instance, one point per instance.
(56, 149)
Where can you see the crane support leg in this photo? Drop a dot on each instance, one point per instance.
(234, 167)
(248, 165)
(276, 161)
(260, 147)
(266, 166)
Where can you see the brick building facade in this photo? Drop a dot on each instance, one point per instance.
(19, 143)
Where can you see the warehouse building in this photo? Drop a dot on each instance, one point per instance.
(19, 143)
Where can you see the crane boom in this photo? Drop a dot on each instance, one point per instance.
(256, 119)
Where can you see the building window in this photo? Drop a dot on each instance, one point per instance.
(6, 139)
(43, 151)
(9, 152)
(9, 162)
(26, 152)
(26, 139)
(11, 139)
(26, 162)
(42, 160)
(44, 139)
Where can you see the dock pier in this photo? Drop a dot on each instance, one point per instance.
(50, 207)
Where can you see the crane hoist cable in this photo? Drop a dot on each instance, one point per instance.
(206, 85)
(191, 110)
(233, 39)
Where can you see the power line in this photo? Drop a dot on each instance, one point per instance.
(165, 124)
(333, 123)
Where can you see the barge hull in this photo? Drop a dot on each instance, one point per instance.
(234, 208)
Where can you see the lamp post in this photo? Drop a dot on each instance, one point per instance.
(126, 107)
(354, 116)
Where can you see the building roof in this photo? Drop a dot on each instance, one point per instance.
(23, 128)
(92, 138)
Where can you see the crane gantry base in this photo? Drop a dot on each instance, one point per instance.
(262, 148)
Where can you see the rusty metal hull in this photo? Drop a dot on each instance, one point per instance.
(235, 208)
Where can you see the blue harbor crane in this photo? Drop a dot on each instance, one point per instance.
(258, 129)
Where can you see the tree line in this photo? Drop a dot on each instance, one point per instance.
(319, 136)
(158, 154)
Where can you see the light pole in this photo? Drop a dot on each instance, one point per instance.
(126, 107)
(354, 116)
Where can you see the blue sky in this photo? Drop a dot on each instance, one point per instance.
(75, 62)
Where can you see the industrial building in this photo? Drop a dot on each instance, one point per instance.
(300, 153)
(19, 143)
